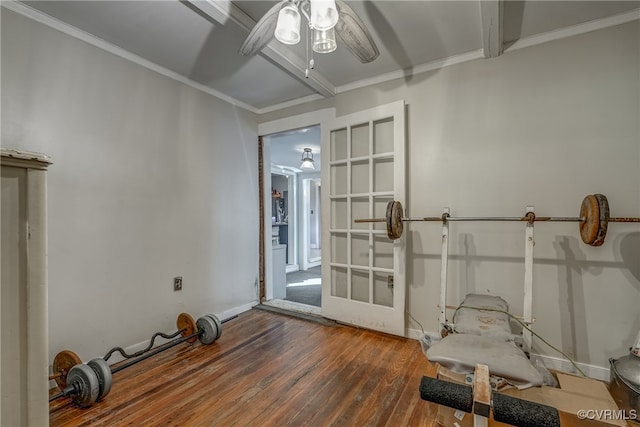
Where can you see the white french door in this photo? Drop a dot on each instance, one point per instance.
(363, 272)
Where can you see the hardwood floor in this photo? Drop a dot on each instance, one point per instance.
(269, 370)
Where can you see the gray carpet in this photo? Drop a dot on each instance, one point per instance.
(308, 294)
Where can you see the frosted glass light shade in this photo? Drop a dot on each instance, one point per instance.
(324, 41)
(288, 26)
(324, 14)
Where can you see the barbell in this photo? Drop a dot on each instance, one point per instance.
(594, 219)
(91, 382)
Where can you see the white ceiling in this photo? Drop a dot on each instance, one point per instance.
(199, 40)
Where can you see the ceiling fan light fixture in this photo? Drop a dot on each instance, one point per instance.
(324, 14)
(307, 159)
(288, 26)
(324, 41)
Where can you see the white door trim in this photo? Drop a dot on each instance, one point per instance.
(320, 117)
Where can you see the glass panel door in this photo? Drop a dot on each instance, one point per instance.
(364, 280)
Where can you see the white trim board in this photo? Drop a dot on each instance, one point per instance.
(575, 30)
(227, 314)
(563, 365)
(537, 39)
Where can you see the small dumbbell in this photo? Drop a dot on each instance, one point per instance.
(88, 383)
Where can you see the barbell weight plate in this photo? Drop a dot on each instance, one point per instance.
(395, 226)
(103, 372)
(86, 384)
(187, 325)
(218, 324)
(603, 224)
(62, 364)
(590, 211)
(209, 330)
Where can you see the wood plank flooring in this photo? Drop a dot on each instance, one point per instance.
(269, 370)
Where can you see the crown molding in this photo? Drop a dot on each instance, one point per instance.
(575, 30)
(408, 73)
(72, 31)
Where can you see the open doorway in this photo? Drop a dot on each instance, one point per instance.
(292, 253)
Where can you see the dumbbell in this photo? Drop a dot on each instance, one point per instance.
(87, 383)
(91, 382)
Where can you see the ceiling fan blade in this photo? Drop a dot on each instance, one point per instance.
(262, 33)
(354, 34)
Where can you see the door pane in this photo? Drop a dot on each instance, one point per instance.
(382, 292)
(339, 248)
(359, 209)
(339, 144)
(360, 140)
(338, 180)
(380, 211)
(360, 177)
(360, 285)
(382, 175)
(382, 252)
(383, 136)
(339, 282)
(360, 250)
(339, 214)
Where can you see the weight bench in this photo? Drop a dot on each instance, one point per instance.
(480, 401)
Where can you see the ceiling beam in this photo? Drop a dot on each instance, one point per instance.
(226, 13)
(491, 13)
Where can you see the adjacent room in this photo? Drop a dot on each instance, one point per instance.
(294, 210)
(320, 212)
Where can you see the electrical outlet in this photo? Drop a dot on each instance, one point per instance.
(177, 283)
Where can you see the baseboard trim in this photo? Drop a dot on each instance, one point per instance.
(116, 357)
(564, 365)
(237, 310)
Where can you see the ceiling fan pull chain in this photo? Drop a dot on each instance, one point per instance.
(310, 62)
(304, 5)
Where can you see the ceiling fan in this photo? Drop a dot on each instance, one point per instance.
(325, 18)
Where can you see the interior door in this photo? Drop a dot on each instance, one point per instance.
(363, 272)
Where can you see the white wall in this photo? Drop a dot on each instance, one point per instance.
(151, 179)
(541, 126)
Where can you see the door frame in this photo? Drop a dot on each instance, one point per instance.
(320, 118)
(292, 229)
(306, 227)
(35, 381)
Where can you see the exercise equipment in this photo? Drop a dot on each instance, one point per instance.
(594, 219)
(91, 382)
(62, 364)
(480, 401)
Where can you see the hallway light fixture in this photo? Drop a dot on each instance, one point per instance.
(307, 159)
